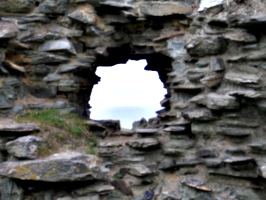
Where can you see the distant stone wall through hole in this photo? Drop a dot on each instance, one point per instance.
(127, 93)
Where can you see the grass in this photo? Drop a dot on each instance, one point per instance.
(62, 131)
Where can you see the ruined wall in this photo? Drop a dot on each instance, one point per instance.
(207, 143)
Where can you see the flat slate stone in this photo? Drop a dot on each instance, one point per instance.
(52, 78)
(25, 147)
(200, 114)
(8, 30)
(179, 144)
(242, 78)
(156, 8)
(146, 131)
(140, 170)
(10, 128)
(175, 129)
(84, 15)
(56, 168)
(167, 165)
(17, 6)
(204, 46)
(37, 57)
(212, 80)
(144, 143)
(217, 102)
(249, 21)
(207, 153)
(58, 45)
(99, 188)
(188, 162)
(118, 4)
(235, 131)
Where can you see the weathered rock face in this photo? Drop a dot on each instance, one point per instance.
(207, 142)
(57, 168)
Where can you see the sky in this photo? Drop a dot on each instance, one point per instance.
(127, 93)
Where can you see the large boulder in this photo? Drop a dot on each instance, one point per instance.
(61, 167)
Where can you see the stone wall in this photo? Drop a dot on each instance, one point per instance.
(207, 143)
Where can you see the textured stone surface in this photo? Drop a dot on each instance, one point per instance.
(144, 143)
(58, 45)
(8, 30)
(26, 147)
(217, 102)
(17, 6)
(155, 8)
(207, 142)
(7, 127)
(205, 46)
(59, 167)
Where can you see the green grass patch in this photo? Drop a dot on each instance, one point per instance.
(62, 131)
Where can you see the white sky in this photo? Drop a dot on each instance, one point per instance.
(209, 3)
(126, 92)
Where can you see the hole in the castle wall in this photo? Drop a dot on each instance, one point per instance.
(127, 93)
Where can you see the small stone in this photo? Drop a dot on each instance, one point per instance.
(217, 102)
(175, 129)
(183, 143)
(90, 197)
(17, 6)
(235, 151)
(67, 85)
(12, 128)
(248, 21)
(207, 153)
(205, 46)
(212, 80)
(8, 30)
(195, 183)
(167, 165)
(242, 78)
(200, 114)
(235, 131)
(246, 194)
(11, 81)
(246, 93)
(68, 68)
(10, 190)
(202, 63)
(141, 170)
(258, 147)
(196, 73)
(37, 57)
(99, 188)
(146, 131)
(13, 66)
(57, 105)
(85, 15)
(188, 162)
(217, 64)
(43, 91)
(116, 4)
(52, 78)
(25, 147)
(144, 143)
(157, 8)
(58, 45)
(176, 48)
(213, 163)
(240, 35)
(17, 109)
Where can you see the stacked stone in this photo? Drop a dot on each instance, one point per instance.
(207, 143)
